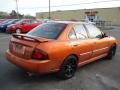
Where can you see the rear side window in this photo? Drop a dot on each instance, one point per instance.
(48, 30)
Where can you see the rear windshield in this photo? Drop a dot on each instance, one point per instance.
(48, 30)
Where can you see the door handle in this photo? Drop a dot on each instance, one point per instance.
(75, 45)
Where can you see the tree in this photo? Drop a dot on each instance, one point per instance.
(13, 14)
(29, 16)
(3, 14)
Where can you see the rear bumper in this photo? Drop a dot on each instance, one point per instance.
(33, 66)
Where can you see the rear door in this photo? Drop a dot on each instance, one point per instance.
(81, 43)
(100, 45)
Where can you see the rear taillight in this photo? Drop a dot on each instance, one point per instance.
(39, 55)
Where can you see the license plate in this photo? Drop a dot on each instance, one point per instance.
(18, 48)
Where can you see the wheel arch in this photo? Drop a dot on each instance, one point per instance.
(114, 45)
(18, 28)
(77, 58)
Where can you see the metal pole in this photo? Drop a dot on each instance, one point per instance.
(17, 8)
(49, 10)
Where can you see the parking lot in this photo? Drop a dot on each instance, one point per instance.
(99, 75)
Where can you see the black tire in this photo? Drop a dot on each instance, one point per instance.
(111, 52)
(68, 68)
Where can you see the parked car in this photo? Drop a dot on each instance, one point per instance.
(5, 21)
(60, 47)
(1, 20)
(4, 24)
(23, 26)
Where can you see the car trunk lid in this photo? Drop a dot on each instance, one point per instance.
(23, 45)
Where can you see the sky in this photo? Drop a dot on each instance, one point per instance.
(32, 6)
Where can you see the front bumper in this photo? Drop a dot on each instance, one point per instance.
(10, 30)
(3, 29)
(33, 66)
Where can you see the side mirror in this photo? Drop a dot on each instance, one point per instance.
(104, 35)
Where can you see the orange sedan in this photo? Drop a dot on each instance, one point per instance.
(60, 46)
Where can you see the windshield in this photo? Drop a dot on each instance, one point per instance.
(48, 30)
(13, 21)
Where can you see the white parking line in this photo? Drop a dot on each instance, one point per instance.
(3, 38)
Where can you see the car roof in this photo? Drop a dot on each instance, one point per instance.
(28, 19)
(69, 22)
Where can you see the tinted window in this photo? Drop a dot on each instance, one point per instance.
(6, 21)
(23, 21)
(34, 21)
(72, 35)
(93, 31)
(48, 30)
(13, 21)
(26, 21)
(80, 31)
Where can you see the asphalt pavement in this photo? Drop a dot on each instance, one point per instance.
(99, 75)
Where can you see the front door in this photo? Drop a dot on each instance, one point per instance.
(26, 26)
(100, 45)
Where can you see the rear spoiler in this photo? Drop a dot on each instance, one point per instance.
(27, 37)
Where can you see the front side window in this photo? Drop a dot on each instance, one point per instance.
(48, 30)
(80, 31)
(94, 32)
